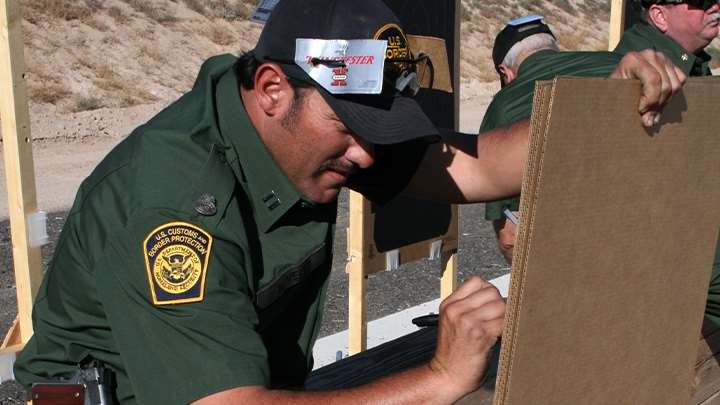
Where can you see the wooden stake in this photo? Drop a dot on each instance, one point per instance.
(448, 282)
(19, 172)
(617, 23)
(358, 233)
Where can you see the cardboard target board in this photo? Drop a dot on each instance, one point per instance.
(610, 274)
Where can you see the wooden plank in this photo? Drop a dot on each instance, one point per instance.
(13, 336)
(359, 225)
(617, 22)
(357, 310)
(17, 149)
(448, 282)
(12, 349)
(375, 261)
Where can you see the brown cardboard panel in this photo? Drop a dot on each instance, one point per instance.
(615, 247)
(435, 49)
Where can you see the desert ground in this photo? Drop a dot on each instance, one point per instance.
(98, 68)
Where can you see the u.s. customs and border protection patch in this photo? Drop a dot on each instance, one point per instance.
(176, 258)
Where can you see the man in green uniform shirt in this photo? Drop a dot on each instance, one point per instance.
(681, 30)
(668, 24)
(194, 261)
(538, 59)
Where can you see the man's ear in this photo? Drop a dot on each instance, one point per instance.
(507, 75)
(272, 90)
(658, 16)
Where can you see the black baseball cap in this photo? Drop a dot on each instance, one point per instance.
(386, 118)
(514, 32)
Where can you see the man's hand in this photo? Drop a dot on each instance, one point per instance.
(506, 233)
(659, 77)
(471, 321)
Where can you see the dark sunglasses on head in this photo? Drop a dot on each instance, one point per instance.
(703, 4)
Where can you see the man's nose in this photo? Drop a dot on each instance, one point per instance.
(361, 152)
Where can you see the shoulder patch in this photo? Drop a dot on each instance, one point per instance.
(176, 259)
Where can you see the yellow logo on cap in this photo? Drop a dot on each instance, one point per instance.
(398, 47)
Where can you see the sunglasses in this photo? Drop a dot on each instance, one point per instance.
(702, 4)
(407, 76)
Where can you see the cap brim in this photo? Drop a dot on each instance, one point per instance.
(376, 118)
(382, 120)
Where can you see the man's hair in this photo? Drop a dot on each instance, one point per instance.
(640, 9)
(530, 44)
(247, 66)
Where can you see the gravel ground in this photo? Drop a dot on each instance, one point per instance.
(388, 292)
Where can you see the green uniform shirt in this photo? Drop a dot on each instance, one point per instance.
(644, 36)
(514, 101)
(189, 264)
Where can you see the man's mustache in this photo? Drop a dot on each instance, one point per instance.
(344, 168)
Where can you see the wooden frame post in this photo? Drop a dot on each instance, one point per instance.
(618, 15)
(358, 238)
(19, 171)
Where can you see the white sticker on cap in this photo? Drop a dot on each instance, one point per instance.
(343, 66)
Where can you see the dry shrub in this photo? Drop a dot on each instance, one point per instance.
(229, 9)
(97, 24)
(68, 10)
(566, 6)
(49, 93)
(595, 9)
(110, 40)
(221, 36)
(157, 11)
(136, 96)
(117, 14)
(107, 79)
(152, 54)
(86, 103)
(195, 5)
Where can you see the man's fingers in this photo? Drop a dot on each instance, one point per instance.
(480, 305)
(472, 285)
(658, 61)
(659, 77)
(677, 78)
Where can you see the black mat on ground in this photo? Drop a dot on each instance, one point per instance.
(397, 355)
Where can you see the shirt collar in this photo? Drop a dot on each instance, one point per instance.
(680, 56)
(270, 191)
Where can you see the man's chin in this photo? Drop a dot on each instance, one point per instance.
(326, 196)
